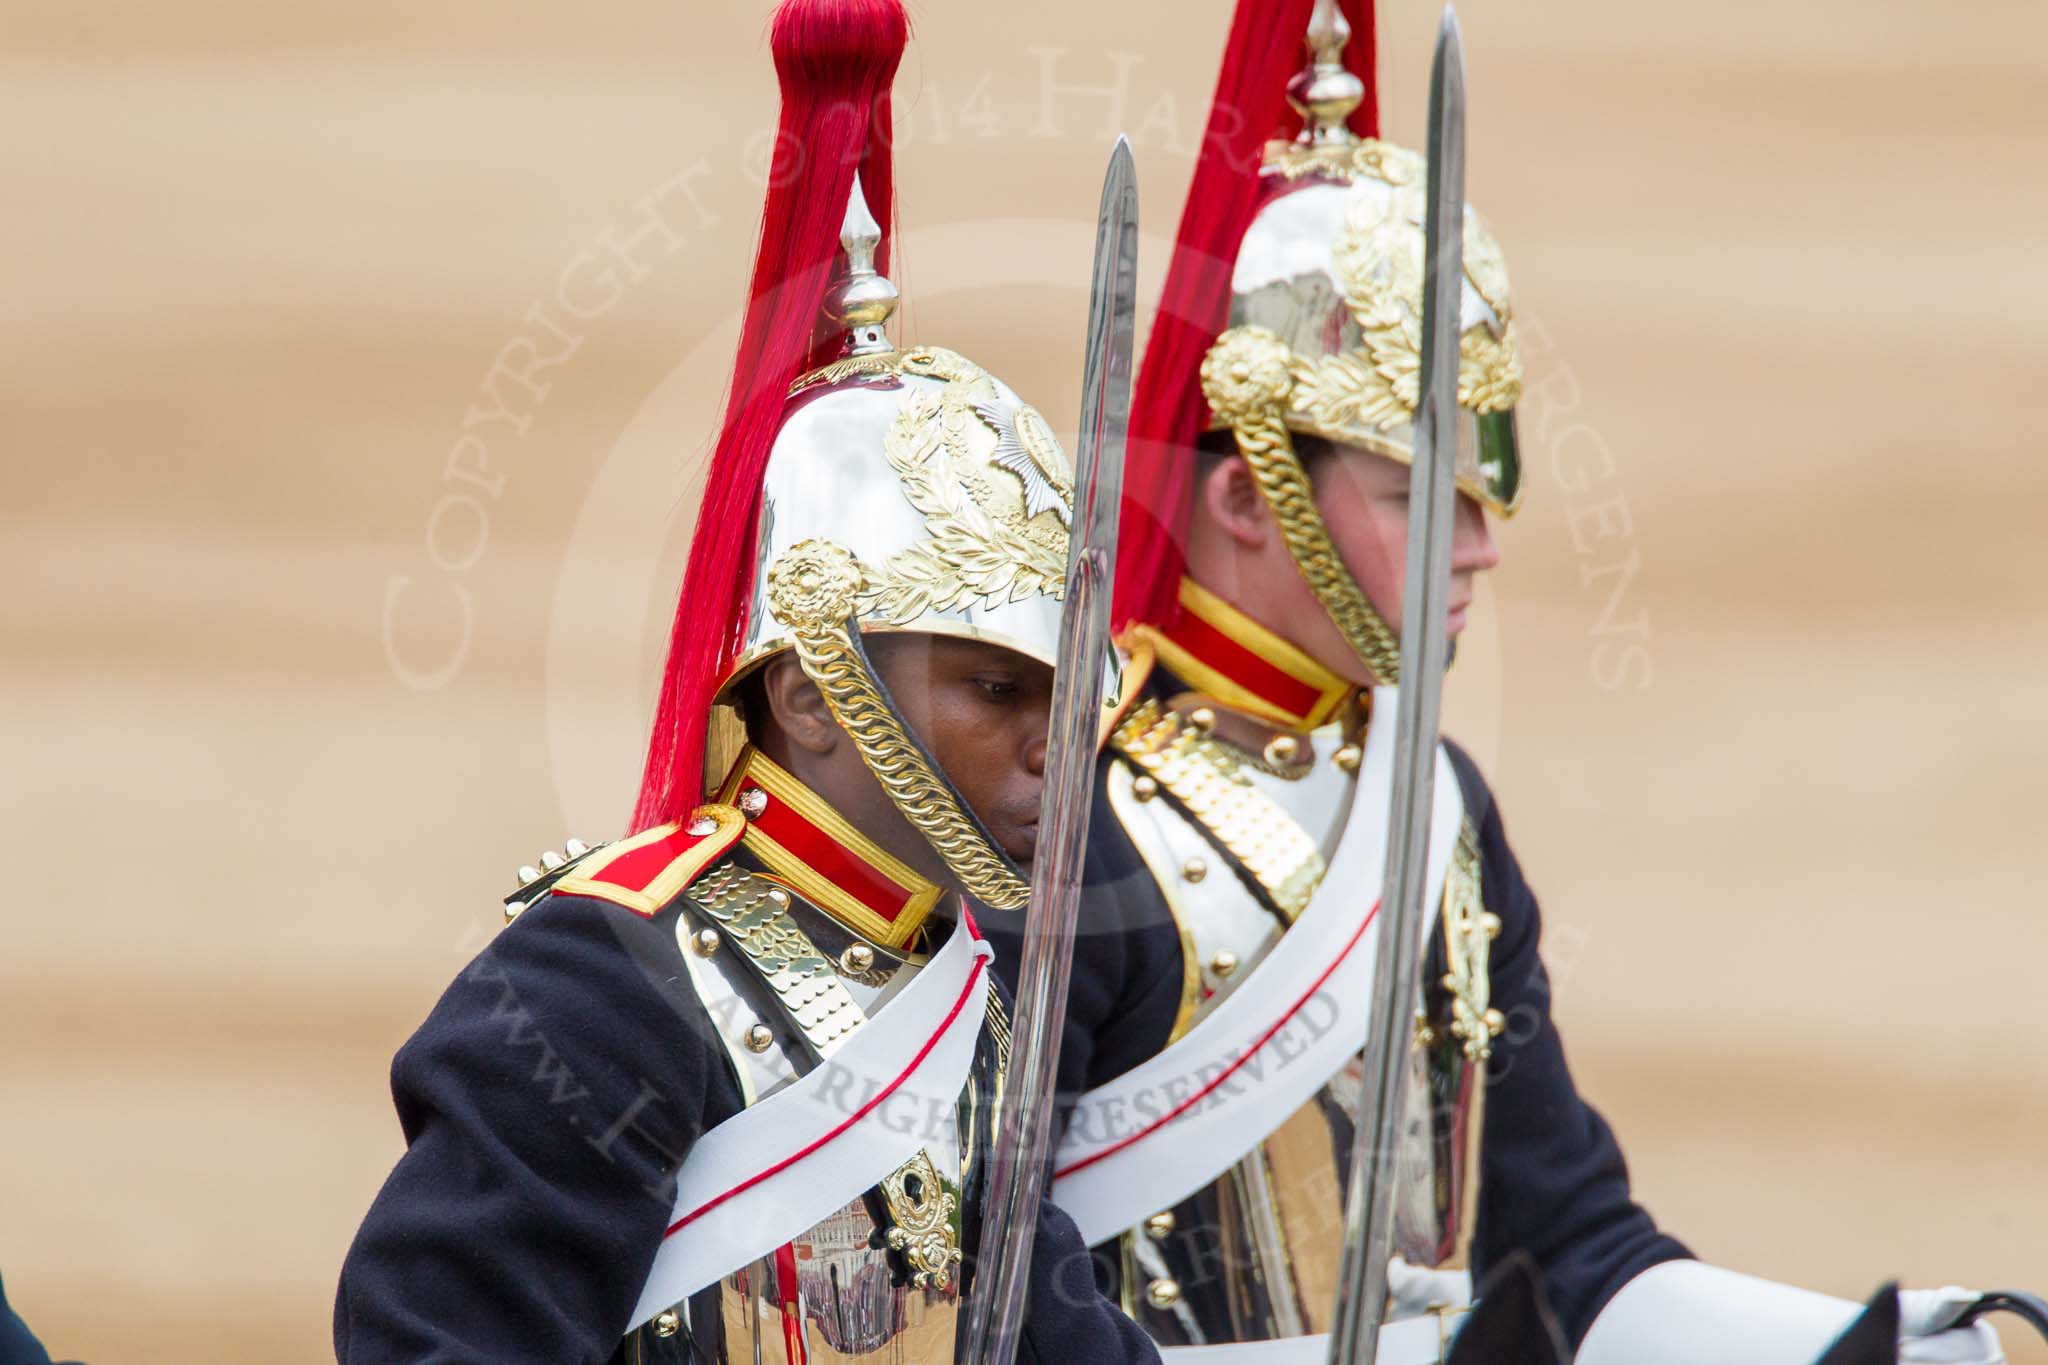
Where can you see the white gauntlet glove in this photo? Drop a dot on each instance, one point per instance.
(1413, 1290)
(1687, 1313)
(1924, 1316)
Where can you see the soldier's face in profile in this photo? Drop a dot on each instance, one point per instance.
(982, 710)
(1364, 502)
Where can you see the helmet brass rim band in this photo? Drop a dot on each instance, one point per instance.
(1498, 448)
(869, 628)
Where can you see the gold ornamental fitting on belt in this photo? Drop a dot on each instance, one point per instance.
(906, 491)
(1326, 295)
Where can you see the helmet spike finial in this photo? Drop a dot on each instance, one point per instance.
(864, 299)
(1325, 91)
(835, 61)
(1261, 63)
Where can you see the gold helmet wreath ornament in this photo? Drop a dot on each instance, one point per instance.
(906, 491)
(1325, 334)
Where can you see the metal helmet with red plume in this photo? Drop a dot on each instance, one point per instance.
(857, 488)
(1293, 306)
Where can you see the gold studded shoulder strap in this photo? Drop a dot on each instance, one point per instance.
(752, 914)
(1268, 850)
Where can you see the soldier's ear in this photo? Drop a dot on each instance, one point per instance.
(796, 708)
(1235, 504)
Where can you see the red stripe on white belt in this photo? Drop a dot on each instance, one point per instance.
(778, 1168)
(1230, 1070)
(1166, 1128)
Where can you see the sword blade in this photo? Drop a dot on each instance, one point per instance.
(1369, 1202)
(1018, 1165)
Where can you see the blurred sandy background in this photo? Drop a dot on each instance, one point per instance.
(295, 674)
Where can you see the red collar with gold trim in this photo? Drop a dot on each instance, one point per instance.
(808, 845)
(1226, 655)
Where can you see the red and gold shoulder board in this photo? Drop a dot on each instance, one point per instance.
(646, 872)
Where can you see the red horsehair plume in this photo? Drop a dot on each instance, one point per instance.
(1168, 412)
(835, 60)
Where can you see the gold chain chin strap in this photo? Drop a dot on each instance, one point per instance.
(812, 589)
(1246, 377)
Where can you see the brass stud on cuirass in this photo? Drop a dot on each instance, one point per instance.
(759, 1038)
(858, 957)
(1160, 1226)
(1203, 719)
(1224, 962)
(1281, 750)
(1163, 1292)
(1145, 788)
(705, 941)
(1194, 869)
(1348, 758)
(667, 1323)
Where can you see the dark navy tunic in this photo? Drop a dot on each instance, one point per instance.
(546, 1104)
(18, 1345)
(1553, 1182)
